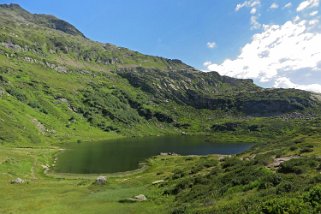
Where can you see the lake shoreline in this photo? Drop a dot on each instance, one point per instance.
(129, 155)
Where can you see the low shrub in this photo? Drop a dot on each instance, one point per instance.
(285, 205)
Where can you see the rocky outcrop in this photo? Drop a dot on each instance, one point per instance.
(41, 128)
(278, 161)
(57, 24)
(215, 92)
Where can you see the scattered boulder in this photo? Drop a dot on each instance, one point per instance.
(168, 154)
(45, 168)
(137, 198)
(17, 181)
(158, 182)
(101, 180)
(58, 68)
(140, 197)
(41, 127)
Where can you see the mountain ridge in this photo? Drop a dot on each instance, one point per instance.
(49, 21)
(75, 87)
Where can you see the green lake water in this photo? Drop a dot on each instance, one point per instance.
(125, 154)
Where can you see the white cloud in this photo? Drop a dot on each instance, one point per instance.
(249, 3)
(239, 6)
(278, 51)
(307, 4)
(284, 82)
(313, 22)
(207, 63)
(314, 13)
(254, 23)
(253, 11)
(211, 45)
(287, 5)
(296, 19)
(253, 5)
(274, 6)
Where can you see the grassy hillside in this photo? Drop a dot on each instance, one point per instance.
(59, 87)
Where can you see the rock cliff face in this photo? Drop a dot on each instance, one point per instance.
(215, 92)
(57, 24)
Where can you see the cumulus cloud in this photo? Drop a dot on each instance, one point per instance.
(278, 48)
(307, 4)
(276, 52)
(211, 45)
(284, 82)
(286, 55)
(274, 6)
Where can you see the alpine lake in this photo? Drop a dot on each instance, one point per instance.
(126, 154)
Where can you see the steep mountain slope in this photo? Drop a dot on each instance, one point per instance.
(215, 92)
(57, 85)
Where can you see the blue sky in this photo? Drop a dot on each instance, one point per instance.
(274, 42)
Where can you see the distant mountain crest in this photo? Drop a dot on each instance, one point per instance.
(57, 24)
(43, 20)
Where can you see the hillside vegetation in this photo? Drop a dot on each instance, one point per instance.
(58, 87)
